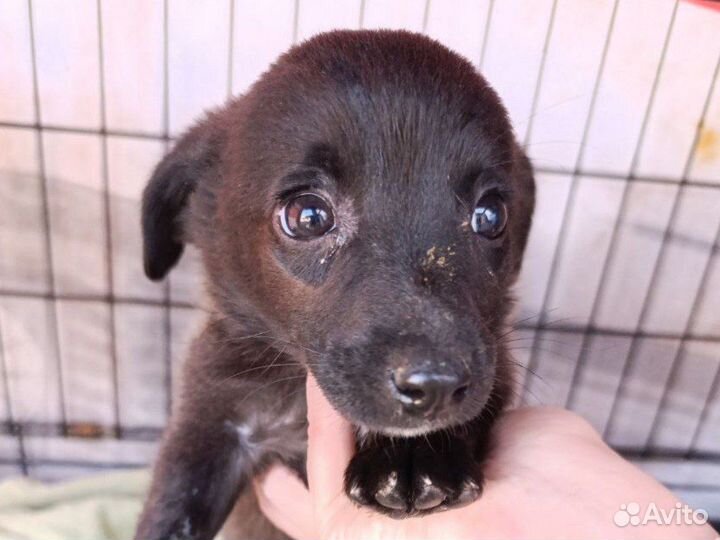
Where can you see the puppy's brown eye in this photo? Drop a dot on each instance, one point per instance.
(306, 216)
(490, 216)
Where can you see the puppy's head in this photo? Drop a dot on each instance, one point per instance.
(366, 204)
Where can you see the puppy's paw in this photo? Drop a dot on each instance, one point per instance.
(411, 478)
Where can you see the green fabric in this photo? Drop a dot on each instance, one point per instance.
(102, 507)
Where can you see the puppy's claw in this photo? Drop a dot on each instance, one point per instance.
(388, 494)
(357, 495)
(428, 495)
(390, 500)
(469, 493)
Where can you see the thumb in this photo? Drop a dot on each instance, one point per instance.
(331, 445)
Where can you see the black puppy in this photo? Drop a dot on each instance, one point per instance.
(362, 213)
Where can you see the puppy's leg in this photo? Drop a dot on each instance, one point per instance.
(227, 429)
(402, 477)
(200, 471)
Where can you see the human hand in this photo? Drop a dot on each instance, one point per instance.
(549, 476)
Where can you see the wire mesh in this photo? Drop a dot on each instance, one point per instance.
(679, 405)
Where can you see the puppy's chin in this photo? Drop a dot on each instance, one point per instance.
(364, 431)
(415, 428)
(388, 419)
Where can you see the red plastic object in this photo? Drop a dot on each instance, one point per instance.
(710, 4)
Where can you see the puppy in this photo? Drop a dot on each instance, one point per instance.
(362, 213)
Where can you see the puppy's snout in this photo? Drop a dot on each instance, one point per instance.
(428, 391)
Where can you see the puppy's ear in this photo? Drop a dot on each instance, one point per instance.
(524, 180)
(193, 160)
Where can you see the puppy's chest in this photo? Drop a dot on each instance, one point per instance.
(271, 428)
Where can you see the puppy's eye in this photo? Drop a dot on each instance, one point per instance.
(490, 216)
(306, 216)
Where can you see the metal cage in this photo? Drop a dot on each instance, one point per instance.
(617, 102)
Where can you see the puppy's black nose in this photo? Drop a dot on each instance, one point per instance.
(427, 391)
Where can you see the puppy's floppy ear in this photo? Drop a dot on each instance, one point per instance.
(524, 180)
(194, 159)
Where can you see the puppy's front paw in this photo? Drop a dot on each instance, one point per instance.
(405, 478)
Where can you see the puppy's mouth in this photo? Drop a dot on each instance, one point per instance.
(405, 433)
(407, 428)
(407, 425)
(385, 411)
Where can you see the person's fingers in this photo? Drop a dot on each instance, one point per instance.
(282, 496)
(286, 502)
(331, 445)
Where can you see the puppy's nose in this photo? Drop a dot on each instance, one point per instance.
(428, 392)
